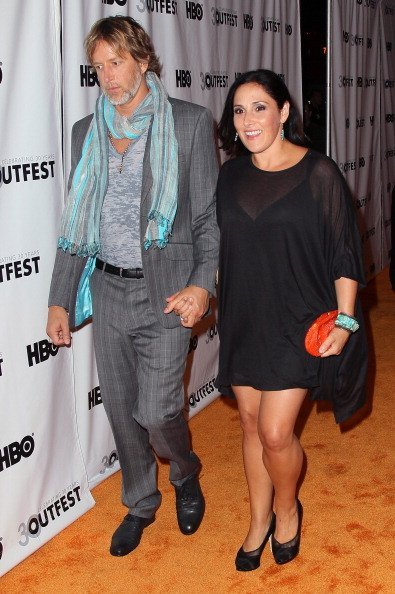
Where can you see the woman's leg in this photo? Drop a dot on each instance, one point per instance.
(282, 454)
(259, 484)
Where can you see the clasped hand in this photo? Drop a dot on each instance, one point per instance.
(335, 342)
(190, 304)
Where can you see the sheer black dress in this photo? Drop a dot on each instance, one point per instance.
(286, 236)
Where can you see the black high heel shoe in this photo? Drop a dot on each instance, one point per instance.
(285, 552)
(249, 560)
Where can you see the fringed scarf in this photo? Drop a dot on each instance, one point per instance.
(81, 217)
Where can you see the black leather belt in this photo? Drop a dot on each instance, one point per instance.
(123, 272)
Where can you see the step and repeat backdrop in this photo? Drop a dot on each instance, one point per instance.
(362, 115)
(55, 442)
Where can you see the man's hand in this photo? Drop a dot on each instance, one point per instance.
(335, 342)
(58, 328)
(190, 304)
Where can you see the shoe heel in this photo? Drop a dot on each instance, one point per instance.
(250, 560)
(287, 551)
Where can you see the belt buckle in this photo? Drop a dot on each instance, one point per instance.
(120, 272)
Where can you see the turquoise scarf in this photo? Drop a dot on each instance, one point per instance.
(81, 217)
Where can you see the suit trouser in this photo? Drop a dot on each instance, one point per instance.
(140, 367)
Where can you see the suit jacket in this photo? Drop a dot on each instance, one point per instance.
(191, 256)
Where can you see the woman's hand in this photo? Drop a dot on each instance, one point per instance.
(335, 342)
(190, 304)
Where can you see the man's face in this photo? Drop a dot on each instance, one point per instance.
(121, 77)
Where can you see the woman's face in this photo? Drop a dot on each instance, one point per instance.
(257, 118)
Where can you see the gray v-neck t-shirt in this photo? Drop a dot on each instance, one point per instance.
(120, 216)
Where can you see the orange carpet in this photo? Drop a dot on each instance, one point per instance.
(347, 492)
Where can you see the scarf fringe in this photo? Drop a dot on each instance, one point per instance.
(159, 227)
(82, 251)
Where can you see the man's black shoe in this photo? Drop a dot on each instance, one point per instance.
(128, 535)
(189, 505)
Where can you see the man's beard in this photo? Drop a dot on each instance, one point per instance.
(127, 95)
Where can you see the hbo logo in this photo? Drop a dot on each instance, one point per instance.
(194, 10)
(183, 78)
(13, 452)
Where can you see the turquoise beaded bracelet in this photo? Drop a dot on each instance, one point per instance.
(346, 322)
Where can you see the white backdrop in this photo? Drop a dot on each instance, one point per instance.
(43, 483)
(362, 115)
(55, 442)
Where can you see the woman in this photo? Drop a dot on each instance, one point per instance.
(290, 251)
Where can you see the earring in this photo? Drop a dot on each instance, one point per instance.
(236, 136)
(282, 135)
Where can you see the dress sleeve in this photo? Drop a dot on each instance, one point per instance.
(340, 235)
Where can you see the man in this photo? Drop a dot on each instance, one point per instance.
(140, 215)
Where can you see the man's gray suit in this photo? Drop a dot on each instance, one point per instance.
(154, 358)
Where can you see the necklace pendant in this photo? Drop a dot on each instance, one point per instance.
(120, 168)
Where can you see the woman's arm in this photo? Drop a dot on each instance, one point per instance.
(346, 293)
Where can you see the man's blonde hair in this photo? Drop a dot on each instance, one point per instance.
(124, 35)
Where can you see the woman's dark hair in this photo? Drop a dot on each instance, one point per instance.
(274, 86)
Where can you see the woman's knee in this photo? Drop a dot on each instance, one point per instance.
(248, 422)
(275, 438)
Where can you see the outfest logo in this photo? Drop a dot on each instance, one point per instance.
(364, 82)
(201, 393)
(52, 509)
(352, 165)
(360, 122)
(213, 80)
(22, 169)
(220, 16)
(19, 265)
(357, 39)
(271, 24)
(158, 6)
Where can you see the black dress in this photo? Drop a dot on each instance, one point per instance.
(286, 236)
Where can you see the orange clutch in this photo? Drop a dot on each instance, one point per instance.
(319, 331)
